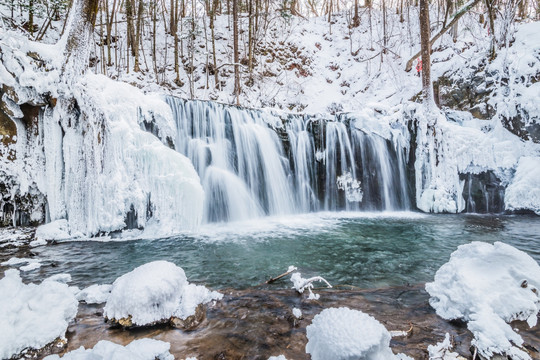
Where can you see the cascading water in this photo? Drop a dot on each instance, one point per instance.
(254, 163)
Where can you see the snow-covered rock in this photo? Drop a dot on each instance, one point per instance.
(95, 294)
(489, 286)
(345, 334)
(32, 316)
(142, 349)
(153, 293)
(524, 190)
(55, 230)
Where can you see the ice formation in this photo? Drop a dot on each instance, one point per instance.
(32, 316)
(95, 294)
(489, 286)
(91, 157)
(523, 193)
(300, 284)
(345, 334)
(142, 349)
(442, 350)
(279, 357)
(155, 292)
(297, 313)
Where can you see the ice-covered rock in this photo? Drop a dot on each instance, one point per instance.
(489, 286)
(523, 193)
(32, 316)
(154, 293)
(95, 294)
(345, 334)
(142, 349)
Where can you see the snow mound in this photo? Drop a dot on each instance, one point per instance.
(488, 286)
(345, 334)
(524, 190)
(56, 230)
(95, 294)
(155, 292)
(32, 316)
(143, 349)
(279, 357)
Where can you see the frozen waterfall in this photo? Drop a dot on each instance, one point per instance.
(254, 163)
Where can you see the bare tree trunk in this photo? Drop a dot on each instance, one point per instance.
(235, 50)
(77, 51)
(427, 86)
(212, 23)
(491, 17)
(136, 45)
(456, 17)
(356, 17)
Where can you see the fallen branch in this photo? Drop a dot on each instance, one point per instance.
(271, 280)
(456, 17)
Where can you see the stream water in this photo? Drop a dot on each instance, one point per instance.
(368, 250)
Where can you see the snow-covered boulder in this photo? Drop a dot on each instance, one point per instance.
(345, 334)
(523, 193)
(95, 294)
(153, 293)
(143, 349)
(489, 286)
(56, 230)
(32, 316)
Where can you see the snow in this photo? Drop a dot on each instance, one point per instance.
(297, 313)
(155, 292)
(345, 334)
(95, 294)
(32, 315)
(488, 286)
(524, 190)
(441, 351)
(279, 357)
(55, 230)
(31, 264)
(142, 349)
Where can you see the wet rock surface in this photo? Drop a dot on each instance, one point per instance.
(258, 323)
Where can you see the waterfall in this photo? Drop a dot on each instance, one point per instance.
(254, 163)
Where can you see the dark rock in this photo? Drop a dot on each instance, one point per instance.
(483, 192)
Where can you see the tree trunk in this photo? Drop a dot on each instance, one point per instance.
(356, 18)
(77, 51)
(212, 22)
(455, 18)
(427, 87)
(136, 45)
(235, 51)
(491, 17)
